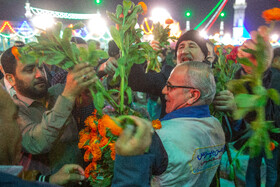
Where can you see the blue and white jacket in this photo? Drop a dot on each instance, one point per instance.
(186, 151)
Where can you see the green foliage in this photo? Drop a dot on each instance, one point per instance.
(53, 49)
(224, 71)
(128, 39)
(255, 101)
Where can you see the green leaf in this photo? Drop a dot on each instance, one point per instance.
(111, 91)
(67, 34)
(236, 86)
(116, 36)
(126, 6)
(274, 95)
(83, 54)
(67, 65)
(241, 113)
(114, 18)
(119, 10)
(78, 26)
(237, 164)
(75, 52)
(57, 30)
(91, 46)
(251, 51)
(102, 54)
(261, 101)
(245, 100)
(42, 60)
(275, 130)
(99, 100)
(28, 59)
(55, 59)
(245, 61)
(129, 94)
(259, 90)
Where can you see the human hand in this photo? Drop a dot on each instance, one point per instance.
(68, 173)
(155, 45)
(224, 102)
(263, 31)
(78, 79)
(130, 144)
(110, 66)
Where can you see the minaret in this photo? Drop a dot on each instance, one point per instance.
(28, 13)
(239, 17)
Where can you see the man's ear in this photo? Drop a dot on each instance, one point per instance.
(10, 78)
(2, 70)
(195, 95)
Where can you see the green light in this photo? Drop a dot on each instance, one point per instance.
(222, 14)
(217, 5)
(188, 14)
(97, 1)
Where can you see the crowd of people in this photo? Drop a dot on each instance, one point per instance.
(40, 119)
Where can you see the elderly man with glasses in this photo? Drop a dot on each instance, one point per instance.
(188, 148)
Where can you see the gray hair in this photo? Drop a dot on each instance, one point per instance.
(200, 76)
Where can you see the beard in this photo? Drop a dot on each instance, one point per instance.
(31, 91)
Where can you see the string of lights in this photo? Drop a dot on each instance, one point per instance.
(62, 15)
(210, 13)
(215, 14)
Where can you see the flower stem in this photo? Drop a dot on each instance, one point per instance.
(106, 144)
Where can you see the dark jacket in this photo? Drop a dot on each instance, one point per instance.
(151, 82)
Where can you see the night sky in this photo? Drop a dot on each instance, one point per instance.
(14, 9)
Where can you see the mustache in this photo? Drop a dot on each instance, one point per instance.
(40, 80)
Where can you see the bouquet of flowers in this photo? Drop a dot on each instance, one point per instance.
(256, 101)
(224, 70)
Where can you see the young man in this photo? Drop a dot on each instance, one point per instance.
(10, 147)
(49, 133)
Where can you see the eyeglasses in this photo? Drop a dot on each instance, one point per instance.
(170, 87)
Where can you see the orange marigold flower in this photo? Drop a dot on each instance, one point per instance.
(271, 15)
(156, 124)
(101, 128)
(87, 154)
(83, 139)
(91, 167)
(144, 7)
(15, 52)
(216, 49)
(271, 146)
(103, 142)
(169, 21)
(90, 122)
(95, 151)
(83, 131)
(113, 150)
(107, 122)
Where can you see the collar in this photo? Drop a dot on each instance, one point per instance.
(9, 88)
(200, 111)
(7, 84)
(27, 101)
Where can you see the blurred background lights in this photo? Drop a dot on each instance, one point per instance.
(97, 25)
(274, 37)
(43, 22)
(160, 15)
